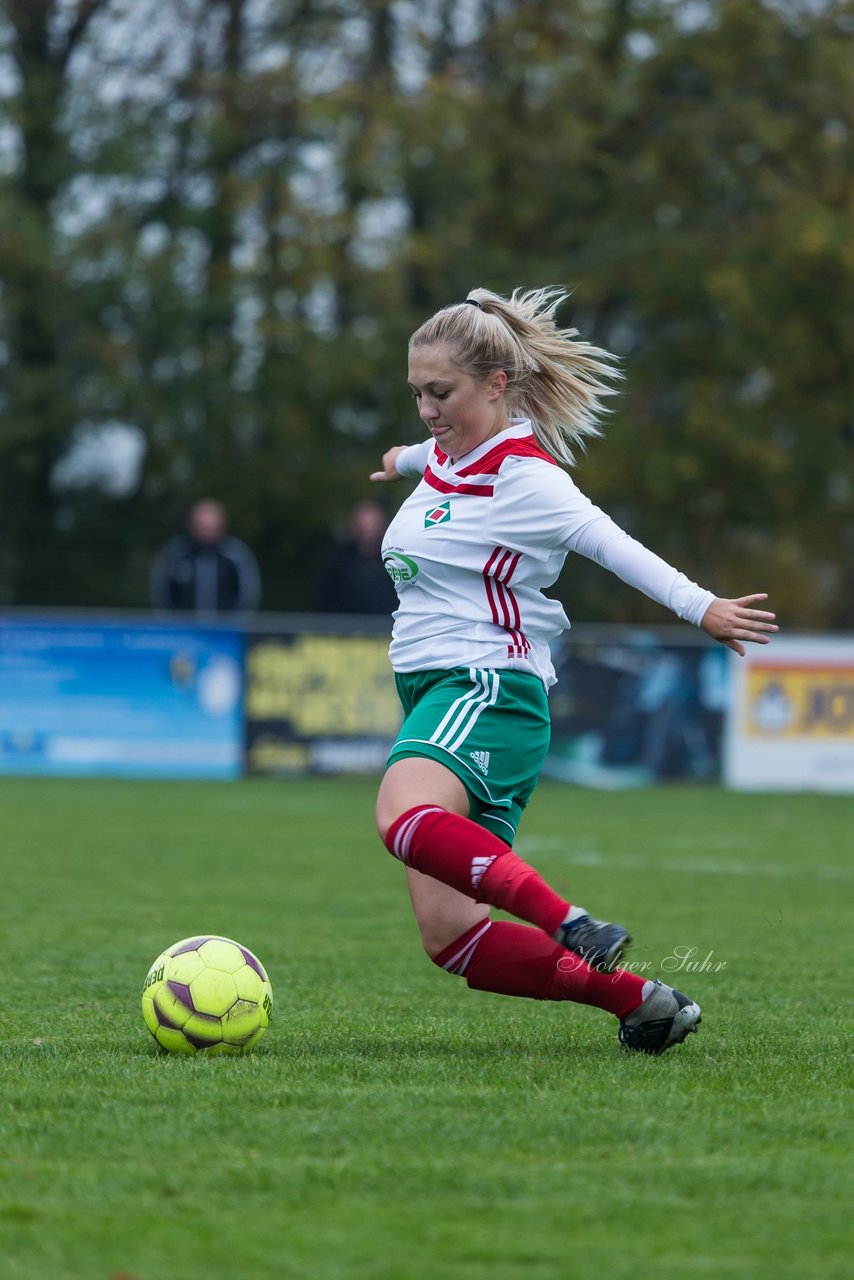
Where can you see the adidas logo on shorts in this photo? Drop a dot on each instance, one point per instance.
(481, 759)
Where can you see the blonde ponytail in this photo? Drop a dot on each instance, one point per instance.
(553, 377)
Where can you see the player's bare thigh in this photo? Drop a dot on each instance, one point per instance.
(442, 913)
(418, 780)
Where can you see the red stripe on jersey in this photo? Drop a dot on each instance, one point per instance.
(504, 575)
(473, 490)
(521, 646)
(495, 591)
(497, 572)
(490, 463)
(487, 581)
(441, 457)
(499, 575)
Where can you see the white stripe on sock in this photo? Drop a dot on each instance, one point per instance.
(403, 838)
(459, 963)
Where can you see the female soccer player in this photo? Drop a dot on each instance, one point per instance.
(506, 396)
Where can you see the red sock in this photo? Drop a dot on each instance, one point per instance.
(471, 859)
(513, 960)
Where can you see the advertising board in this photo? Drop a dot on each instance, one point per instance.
(791, 725)
(321, 703)
(120, 697)
(631, 708)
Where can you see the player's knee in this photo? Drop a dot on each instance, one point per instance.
(449, 943)
(435, 943)
(387, 813)
(450, 938)
(384, 821)
(386, 817)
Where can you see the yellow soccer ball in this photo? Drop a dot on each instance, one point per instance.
(207, 995)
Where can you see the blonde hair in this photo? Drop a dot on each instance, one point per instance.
(553, 377)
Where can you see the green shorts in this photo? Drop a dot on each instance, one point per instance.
(489, 727)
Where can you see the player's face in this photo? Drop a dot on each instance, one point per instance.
(458, 411)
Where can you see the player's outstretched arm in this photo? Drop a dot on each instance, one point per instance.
(732, 621)
(389, 471)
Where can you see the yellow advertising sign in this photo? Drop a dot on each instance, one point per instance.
(323, 684)
(800, 700)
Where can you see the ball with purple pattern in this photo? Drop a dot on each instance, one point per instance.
(207, 995)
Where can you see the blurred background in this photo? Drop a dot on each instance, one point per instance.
(220, 220)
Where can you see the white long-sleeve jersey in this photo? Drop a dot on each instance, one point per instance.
(474, 545)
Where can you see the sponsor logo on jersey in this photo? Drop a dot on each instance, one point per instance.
(400, 568)
(481, 759)
(440, 514)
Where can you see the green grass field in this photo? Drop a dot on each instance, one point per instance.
(394, 1125)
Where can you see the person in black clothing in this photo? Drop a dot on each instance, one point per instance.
(356, 580)
(205, 570)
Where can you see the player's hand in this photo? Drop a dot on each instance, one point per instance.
(390, 471)
(732, 621)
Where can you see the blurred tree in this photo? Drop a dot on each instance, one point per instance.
(37, 321)
(222, 219)
(736, 273)
(691, 173)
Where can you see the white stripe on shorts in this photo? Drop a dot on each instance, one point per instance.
(461, 717)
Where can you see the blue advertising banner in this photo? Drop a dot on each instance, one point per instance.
(120, 698)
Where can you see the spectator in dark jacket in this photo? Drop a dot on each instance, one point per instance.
(356, 580)
(205, 570)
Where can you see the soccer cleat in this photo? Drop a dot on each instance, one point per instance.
(600, 945)
(665, 1018)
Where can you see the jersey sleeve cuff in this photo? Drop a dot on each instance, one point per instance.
(688, 601)
(412, 460)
